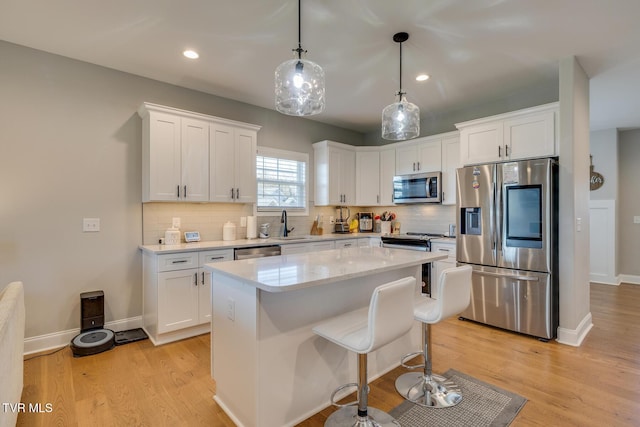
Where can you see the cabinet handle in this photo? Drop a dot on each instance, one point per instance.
(195, 278)
(499, 151)
(178, 187)
(237, 194)
(203, 278)
(346, 245)
(232, 193)
(443, 196)
(215, 257)
(180, 261)
(414, 166)
(418, 165)
(443, 250)
(506, 151)
(378, 198)
(185, 192)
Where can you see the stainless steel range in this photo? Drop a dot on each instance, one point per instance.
(414, 241)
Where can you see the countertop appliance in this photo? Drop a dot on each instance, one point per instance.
(365, 221)
(414, 241)
(507, 230)
(342, 221)
(417, 188)
(256, 252)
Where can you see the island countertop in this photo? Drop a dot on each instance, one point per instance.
(298, 271)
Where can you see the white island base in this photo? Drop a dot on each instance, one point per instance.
(270, 369)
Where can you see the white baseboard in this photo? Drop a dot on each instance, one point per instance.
(574, 337)
(62, 338)
(628, 278)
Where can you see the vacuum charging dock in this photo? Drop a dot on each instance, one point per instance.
(93, 338)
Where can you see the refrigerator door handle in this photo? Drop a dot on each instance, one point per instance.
(508, 276)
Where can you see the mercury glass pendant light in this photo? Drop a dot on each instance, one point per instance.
(400, 120)
(299, 84)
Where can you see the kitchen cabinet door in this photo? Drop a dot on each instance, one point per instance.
(367, 178)
(530, 136)
(438, 266)
(233, 164)
(335, 172)
(175, 163)
(450, 162)
(482, 143)
(178, 296)
(387, 172)
(194, 148)
(419, 156)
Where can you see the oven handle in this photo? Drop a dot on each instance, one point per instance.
(410, 248)
(508, 276)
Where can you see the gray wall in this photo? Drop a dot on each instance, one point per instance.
(431, 123)
(629, 202)
(71, 148)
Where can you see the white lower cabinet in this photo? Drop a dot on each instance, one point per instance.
(448, 247)
(177, 294)
(301, 248)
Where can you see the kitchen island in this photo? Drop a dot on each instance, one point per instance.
(270, 368)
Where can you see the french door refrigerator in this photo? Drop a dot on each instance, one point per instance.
(507, 230)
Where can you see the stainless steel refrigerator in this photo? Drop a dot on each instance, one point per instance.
(507, 230)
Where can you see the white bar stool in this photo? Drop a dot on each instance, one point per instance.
(425, 388)
(388, 317)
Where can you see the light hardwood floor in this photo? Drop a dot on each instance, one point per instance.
(595, 384)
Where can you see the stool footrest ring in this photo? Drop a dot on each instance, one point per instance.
(404, 358)
(339, 389)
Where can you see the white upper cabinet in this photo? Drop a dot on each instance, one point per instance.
(368, 178)
(521, 134)
(177, 159)
(232, 153)
(173, 165)
(387, 171)
(450, 162)
(418, 156)
(335, 173)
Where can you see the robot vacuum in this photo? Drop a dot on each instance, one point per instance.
(92, 342)
(93, 338)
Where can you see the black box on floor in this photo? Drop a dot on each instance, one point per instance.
(132, 335)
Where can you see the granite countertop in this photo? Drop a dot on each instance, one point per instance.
(247, 243)
(299, 271)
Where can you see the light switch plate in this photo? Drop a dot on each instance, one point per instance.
(90, 225)
(636, 219)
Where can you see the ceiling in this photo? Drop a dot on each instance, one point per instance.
(475, 51)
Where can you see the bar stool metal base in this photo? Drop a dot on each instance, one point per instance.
(348, 416)
(438, 392)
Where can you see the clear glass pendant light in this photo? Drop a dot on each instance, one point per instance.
(400, 120)
(299, 84)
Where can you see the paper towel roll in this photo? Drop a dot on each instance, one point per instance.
(252, 227)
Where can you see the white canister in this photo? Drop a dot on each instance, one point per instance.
(172, 236)
(229, 231)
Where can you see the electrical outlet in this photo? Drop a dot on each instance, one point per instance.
(231, 309)
(175, 223)
(332, 220)
(90, 225)
(578, 224)
(636, 219)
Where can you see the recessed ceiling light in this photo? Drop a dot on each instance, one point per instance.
(422, 77)
(191, 54)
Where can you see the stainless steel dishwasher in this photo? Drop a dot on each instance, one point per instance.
(256, 252)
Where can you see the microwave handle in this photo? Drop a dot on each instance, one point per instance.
(429, 186)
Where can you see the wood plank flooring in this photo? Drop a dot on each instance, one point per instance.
(138, 384)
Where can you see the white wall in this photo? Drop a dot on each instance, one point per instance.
(575, 315)
(629, 206)
(604, 149)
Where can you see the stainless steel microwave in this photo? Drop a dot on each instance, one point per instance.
(417, 188)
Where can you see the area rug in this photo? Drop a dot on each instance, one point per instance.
(482, 405)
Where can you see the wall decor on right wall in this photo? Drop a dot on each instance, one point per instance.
(596, 179)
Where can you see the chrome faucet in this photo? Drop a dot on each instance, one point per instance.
(283, 220)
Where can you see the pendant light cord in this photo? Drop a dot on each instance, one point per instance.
(400, 92)
(299, 49)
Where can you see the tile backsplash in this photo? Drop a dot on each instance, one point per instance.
(209, 218)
